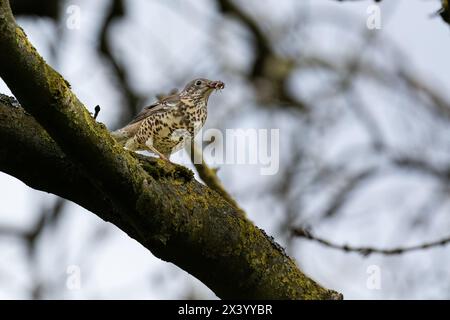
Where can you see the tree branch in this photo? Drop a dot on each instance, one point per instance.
(270, 71)
(366, 251)
(444, 12)
(210, 178)
(157, 203)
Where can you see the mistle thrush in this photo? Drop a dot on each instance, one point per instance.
(163, 126)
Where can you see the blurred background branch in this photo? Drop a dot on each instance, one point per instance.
(366, 251)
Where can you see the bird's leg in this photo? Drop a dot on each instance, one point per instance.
(151, 148)
(131, 144)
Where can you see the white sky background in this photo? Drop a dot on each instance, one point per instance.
(119, 267)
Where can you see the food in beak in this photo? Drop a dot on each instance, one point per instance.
(218, 85)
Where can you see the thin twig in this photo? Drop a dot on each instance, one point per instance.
(210, 178)
(366, 251)
(97, 111)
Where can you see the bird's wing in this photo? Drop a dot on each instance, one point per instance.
(162, 105)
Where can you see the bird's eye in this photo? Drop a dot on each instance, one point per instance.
(198, 82)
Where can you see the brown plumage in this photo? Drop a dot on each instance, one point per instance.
(163, 126)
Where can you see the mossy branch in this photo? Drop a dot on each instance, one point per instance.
(61, 149)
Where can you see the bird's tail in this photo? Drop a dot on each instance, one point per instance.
(120, 135)
(125, 133)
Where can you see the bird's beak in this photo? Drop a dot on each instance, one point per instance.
(217, 85)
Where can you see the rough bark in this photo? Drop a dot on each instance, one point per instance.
(59, 148)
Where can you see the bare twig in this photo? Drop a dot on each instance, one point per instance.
(210, 178)
(97, 111)
(366, 251)
(351, 185)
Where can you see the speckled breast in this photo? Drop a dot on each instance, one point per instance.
(170, 132)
